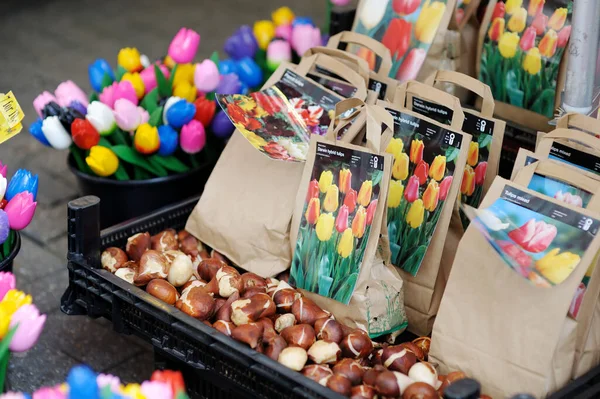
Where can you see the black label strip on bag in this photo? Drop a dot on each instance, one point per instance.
(429, 131)
(360, 159)
(343, 89)
(529, 160)
(472, 124)
(378, 87)
(575, 157)
(551, 210)
(295, 86)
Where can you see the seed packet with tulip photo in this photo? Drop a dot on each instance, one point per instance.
(422, 173)
(406, 27)
(522, 45)
(541, 241)
(337, 219)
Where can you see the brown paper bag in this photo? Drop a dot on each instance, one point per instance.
(246, 207)
(424, 291)
(495, 326)
(379, 81)
(572, 146)
(524, 158)
(514, 101)
(579, 122)
(376, 302)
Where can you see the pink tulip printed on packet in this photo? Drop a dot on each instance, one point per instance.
(541, 241)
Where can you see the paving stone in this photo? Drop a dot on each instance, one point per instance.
(35, 262)
(136, 369)
(47, 291)
(48, 223)
(58, 247)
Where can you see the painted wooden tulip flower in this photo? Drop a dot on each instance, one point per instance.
(264, 32)
(169, 140)
(278, 52)
(127, 115)
(102, 161)
(221, 125)
(84, 134)
(20, 210)
(173, 378)
(112, 93)
(179, 113)
(304, 37)
(29, 323)
(130, 59)
(229, 84)
(193, 137)
(186, 91)
(100, 72)
(284, 15)
(227, 66)
(55, 133)
(7, 283)
(284, 32)
(136, 81)
(41, 100)
(146, 140)
(67, 92)
(23, 180)
(241, 44)
(249, 72)
(148, 76)
(4, 231)
(109, 380)
(101, 117)
(82, 383)
(205, 110)
(184, 46)
(156, 390)
(206, 76)
(411, 65)
(534, 236)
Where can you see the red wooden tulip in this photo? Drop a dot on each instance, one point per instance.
(84, 134)
(205, 110)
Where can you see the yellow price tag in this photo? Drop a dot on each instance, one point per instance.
(11, 116)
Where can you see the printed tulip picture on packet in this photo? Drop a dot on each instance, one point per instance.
(522, 51)
(406, 27)
(422, 173)
(341, 202)
(540, 240)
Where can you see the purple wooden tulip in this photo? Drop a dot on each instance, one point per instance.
(229, 84)
(241, 44)
(221, 125)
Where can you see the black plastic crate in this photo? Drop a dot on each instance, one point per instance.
(213, 365)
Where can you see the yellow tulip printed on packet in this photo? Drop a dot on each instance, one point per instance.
(11, 116)
(542, 241)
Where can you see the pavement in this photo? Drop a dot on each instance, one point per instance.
(45, 43)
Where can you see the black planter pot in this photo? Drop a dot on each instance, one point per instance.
(123, 200)
(7, 264)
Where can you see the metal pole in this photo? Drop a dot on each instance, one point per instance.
(583, 52)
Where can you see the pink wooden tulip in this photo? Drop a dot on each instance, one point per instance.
(149, 77)
(7, 283)
(127, 115)
(156, 390)
(145, 115)
(3, 169)
(67, 92)
(284, 32)
(193, 137)
(112, 93)
(41, 100)
(304, 37)
(50, 393)
(108, 379)
(20, 210)
(411, 65)
(184, 46)
(206, 76)
(30, 324)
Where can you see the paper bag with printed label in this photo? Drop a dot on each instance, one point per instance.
(337, 222)
(504, 318)
(246, 207)
(579, 122)
(429, 158)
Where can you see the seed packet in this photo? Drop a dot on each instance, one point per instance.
(342, 200)
(541, 241)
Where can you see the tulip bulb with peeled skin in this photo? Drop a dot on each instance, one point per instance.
(224, 312)
(392, 383)
(245, 311)
(424, 343)
(272, 284)
(137, 244)
(192, 284)
(188, 244)
(153, 265)
(329, 329)
(224, 327)
(371, 374)
(250, 334)
(322, 352)
(126, 273)
(284, 299)
(293, 357)
(420, 390)
(283, 321)
(449, 380)
(398, 358)
(273, 346)
(252, 280)
(350, 369)
(162, 290)
(208, 268)
(268, 329)
(307, 312)
(317, 372)
(362, 392)
(164, 241)
(113, 258)
(196, 303)
(356, 345)
(340, 384)
(302, 335)
(424, 372)
(180, 270)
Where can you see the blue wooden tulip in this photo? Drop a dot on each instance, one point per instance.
(227, 66)
(82, 383)
(96, 72)
(249, 72)
(36, 131)
(169, 140)
(303, 21)
(23, 180)
(180, 113)
(221, 126)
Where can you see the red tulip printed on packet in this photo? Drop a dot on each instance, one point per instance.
(541, 241)
(279, 120)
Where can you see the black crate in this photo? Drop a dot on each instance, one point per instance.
(214, 365)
